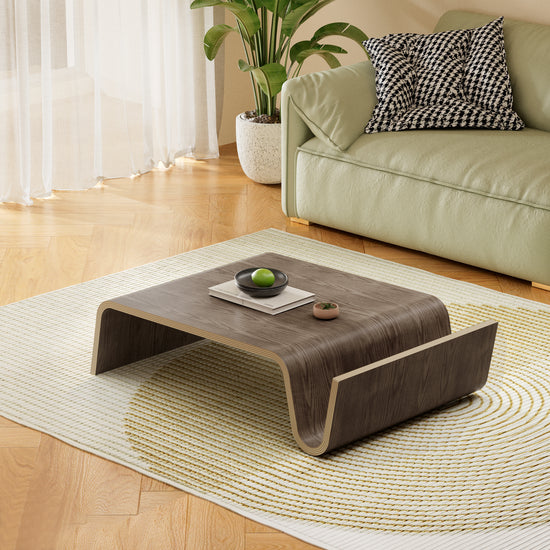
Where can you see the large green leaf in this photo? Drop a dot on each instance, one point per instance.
(271, 5)
(283, 7)
(297, 3)
(324, 50)
(301, 50)
(204, 3)
(340, 29)
(270, 77)
(299, 47)
(293, 19)
(247, 17)
(331, 60)
(214, 38)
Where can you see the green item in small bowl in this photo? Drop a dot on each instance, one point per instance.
(243, 280)
(263, 277)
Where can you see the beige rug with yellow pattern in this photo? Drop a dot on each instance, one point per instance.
(213, 421)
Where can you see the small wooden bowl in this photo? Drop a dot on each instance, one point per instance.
(326, 310)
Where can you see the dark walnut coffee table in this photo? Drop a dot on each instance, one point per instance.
(388, 357)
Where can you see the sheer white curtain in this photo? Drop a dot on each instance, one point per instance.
(91, 89)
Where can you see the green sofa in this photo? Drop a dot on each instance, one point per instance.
(481, 197)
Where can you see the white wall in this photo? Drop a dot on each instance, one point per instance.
(375, 18)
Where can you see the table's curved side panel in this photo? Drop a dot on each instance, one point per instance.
(122, 337)
(405, 385)
(115, 344)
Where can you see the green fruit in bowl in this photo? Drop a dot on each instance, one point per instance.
(263, 277)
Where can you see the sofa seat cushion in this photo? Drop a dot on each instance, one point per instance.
(504, 165)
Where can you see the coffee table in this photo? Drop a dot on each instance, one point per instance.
(388, 357)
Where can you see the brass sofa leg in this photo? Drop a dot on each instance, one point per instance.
(540, 285)
(300, 220)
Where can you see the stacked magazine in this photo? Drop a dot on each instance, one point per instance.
(289, 298)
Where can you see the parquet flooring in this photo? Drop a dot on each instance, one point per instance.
(53, 496)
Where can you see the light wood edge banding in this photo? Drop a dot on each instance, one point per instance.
(412, 351)
(541, 286)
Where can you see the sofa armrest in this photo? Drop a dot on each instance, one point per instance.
(332, 105)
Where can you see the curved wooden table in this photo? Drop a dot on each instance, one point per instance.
(388, 357)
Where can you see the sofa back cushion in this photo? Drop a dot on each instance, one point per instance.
(527, 53)
(450, 79)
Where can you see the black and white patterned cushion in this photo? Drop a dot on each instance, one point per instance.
(451, 79)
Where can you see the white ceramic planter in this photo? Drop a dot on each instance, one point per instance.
(259, 149)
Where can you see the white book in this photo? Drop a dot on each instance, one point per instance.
(289, 298)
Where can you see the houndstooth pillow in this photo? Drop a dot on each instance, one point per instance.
(451, 79)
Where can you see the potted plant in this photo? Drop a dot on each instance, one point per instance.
(267, 29)
(326, 310)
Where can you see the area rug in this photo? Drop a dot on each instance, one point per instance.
(214, 422)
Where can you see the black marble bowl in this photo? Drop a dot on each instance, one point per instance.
(243, 280)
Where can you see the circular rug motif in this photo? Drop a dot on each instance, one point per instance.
(215, 420)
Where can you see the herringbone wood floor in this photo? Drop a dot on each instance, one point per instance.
(53, 496)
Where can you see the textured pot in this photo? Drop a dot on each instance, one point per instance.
(259, 149)
(321, 313)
